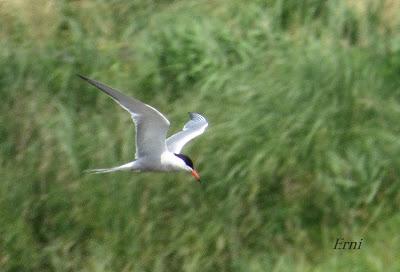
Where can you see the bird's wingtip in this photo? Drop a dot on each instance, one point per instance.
(82, 76)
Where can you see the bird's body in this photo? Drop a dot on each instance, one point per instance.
(154, 153)
(166, 162)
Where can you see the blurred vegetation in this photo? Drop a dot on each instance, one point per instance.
(303, 101)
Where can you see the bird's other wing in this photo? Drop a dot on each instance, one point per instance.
(151, 125)
(195, 127)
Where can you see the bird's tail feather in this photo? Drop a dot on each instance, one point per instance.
(127, 166)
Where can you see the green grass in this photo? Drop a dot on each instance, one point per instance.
(303, 101)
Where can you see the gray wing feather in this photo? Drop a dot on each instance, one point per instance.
(151, 125)
(195, 127)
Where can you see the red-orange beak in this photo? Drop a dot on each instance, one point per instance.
(196, 175)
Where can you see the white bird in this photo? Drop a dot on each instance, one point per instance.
(154, 153)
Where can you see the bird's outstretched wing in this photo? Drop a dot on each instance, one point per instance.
(195, 127)
(151, 125)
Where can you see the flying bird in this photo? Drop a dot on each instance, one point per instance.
(154, 152)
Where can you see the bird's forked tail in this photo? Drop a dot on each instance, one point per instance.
(127, 166)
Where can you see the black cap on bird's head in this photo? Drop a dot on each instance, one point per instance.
(189, 163)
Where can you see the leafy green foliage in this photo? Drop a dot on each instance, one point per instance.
(302, 99)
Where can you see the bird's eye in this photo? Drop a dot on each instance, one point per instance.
(186, 159)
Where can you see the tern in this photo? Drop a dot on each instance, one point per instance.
(154, 153)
